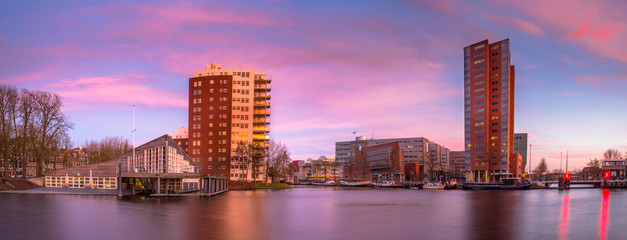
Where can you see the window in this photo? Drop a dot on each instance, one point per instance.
(479, 103)
(479, 89)
(479, 47)
(479, 137)
(479, 68)
(479, 54)
(479, 131)
(479, 82)
(479, 75)
(479, 117)
(479, 96)
(479, 61)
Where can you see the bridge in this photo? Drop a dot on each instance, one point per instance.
(594, 183)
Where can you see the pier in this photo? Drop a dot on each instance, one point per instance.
(173, 184)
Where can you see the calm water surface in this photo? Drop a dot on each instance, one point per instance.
(322, 213)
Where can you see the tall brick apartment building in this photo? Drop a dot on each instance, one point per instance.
(488, 110)
(227, 107)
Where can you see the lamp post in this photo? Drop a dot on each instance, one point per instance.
(531, 175)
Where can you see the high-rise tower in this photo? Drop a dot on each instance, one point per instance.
(488, 110)
(229, 108)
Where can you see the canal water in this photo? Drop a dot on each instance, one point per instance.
(322, 213)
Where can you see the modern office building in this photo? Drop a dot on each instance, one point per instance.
(228, 109)
(415, 150)
(345, 151)
(520, 147)
(488, 110)
(381, 162)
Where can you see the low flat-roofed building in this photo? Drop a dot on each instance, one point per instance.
(615, 168)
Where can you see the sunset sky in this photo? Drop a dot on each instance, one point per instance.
(382, 68)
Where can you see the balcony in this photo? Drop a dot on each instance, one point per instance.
(262, 87)
(265, 79)
(261, 130)
(262, 96)
(260, 137)
(264, 112)
(262, 104)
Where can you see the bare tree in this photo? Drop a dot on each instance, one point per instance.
(8, 109)
(278, 160)
(542, 167)
(106, 149)
(244, 152)
(612, 154)
(52, 124)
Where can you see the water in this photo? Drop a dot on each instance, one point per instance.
(322, 213)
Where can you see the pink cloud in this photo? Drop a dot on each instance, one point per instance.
(116, 89)
(600, 27)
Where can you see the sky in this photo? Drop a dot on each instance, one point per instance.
(381, 68)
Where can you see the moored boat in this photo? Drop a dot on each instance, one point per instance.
(355, 184)
(327, 183)
(433, 186)
(494, 186)
(387, 184)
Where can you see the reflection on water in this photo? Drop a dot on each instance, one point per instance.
(564, 222)
(605, 206)
(321, 213)
(492, 214)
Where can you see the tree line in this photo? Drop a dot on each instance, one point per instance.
(34, 133)
(32, 128)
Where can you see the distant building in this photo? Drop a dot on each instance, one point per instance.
(345, 151)
(181, 138)
(488, 110)
(382, 162)
(415, 150)
(515, 166)
(520, 147)
(433, 166)
(457, 163)
(615, 168)
(228, 107)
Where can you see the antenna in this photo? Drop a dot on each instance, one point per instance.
(560, 162)
(566, 160)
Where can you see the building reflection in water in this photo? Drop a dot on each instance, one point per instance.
(604, 219)
(492, 215)
(564, 222)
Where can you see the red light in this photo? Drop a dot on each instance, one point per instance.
(606, 174)
(567, 175)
